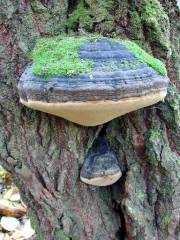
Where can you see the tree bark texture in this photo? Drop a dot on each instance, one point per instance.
(44, 153)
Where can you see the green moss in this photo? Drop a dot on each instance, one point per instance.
(144, 45)
(153, 140)
(165, 219)
(156, 22)
(145, 57)
(123, 64)
(153, 134)
(35, 224)
(60, 235)
(80, 16)
(59, 56)
(88, 13)
(170, 110)
(152, 12)
(134, 27)
(174, 102)
(101, 11)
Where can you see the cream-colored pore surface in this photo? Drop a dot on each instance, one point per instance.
(103, 180)
(92, 113)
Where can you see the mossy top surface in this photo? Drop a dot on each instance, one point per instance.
(59, 56)
(145, 57)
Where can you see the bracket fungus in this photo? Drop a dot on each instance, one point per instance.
(90, 81)
(115, 80)
(101, 167)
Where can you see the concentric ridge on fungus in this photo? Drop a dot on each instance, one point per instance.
(115, 81)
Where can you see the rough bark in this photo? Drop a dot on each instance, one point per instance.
(44, 153)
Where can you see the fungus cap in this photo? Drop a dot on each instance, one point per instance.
(100, 167)
(117, 82)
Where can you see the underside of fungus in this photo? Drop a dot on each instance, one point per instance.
(118, 82)
(92, 113)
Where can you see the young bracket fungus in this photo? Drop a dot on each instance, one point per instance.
(101, 167)
(90, 81)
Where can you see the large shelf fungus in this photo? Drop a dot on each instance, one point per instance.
(90, 81)
(113, 81)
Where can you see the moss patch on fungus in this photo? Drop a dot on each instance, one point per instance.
(142, 55)
(59, 56)
(123, 64)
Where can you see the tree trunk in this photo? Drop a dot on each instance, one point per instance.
(44, 153)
